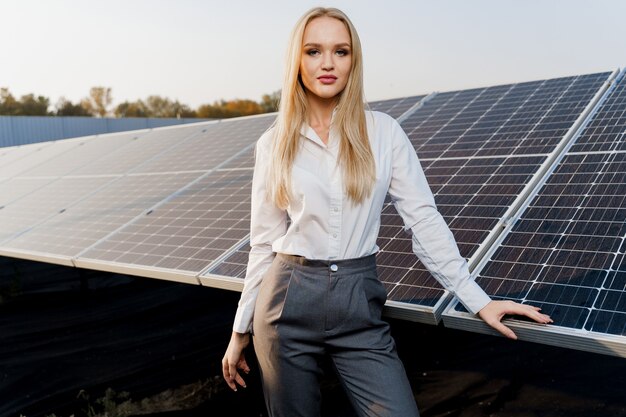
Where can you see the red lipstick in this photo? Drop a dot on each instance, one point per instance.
(327, 79)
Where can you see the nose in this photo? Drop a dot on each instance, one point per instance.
(328, 62)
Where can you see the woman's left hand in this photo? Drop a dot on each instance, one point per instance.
(493, 313)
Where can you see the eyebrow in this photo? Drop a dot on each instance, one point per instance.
(317, 45)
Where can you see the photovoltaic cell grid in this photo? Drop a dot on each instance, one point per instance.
(147, 146)
(9, 156)
(87, 151)
(395, 107)
(23, 214)
(566, 253)
(91, 218)
(606, 132)
(202, 222)
(36, 157)
(215, 144)
(479, 148)
(487, 197)
(516, 119)
(188, 231)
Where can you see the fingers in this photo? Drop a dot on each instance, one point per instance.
(231, 376)
(239, 380)
(243, 365)
(531, 312)
(540, 318)
(495, 311)
(228, 376)
(503, 329)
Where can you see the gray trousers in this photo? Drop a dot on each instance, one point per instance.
(310, 309)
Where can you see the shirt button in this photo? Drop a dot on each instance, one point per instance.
(335, 209)
(335, 235)
(334, 268)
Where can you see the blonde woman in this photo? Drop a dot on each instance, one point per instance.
(311, 289)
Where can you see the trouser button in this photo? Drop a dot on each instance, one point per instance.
(334, 268)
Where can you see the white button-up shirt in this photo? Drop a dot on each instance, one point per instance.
(325, 224)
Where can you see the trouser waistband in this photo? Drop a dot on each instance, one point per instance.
(334, 265)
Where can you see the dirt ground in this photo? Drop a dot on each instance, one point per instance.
(66, 337)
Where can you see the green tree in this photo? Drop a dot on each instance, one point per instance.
(9, 106)
(131, 109)
(269, 102)
(34, 106)
(98, 102)
(164, 107)
(225, 109)
(27, 105)
(154, 106)
(65, 107)
(159, 106)
(183, 110)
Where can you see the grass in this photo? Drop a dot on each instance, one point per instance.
(121, 404)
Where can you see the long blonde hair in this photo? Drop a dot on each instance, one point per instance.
(355, 153)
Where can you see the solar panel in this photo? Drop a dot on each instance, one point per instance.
(174, 203)
(84, 222)
(88, 150)
(36, 157)
(11, 156)
(203, 221)
(147, 146)
(395, 107)
(473, 187)
(215, 144)
(188, 231)
(566, 251)
(54, 197)
(479, 149)
(16, 188)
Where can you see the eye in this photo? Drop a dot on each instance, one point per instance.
(312, 52)
(342, 52)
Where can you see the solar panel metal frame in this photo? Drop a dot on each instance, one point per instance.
(578, 339)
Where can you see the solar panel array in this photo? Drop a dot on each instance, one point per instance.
(566, 251)
(479, 148)
(396, 107)
(174, 203)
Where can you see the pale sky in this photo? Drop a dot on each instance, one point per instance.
(199, 51)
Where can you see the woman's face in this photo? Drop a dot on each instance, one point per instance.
(326, 57)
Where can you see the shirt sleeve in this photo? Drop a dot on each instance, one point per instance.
(267, 223)
(433, 242)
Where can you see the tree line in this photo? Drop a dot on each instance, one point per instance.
(99, 104)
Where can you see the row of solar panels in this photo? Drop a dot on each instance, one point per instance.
(530, 177)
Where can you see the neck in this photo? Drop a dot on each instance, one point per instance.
(320, 110)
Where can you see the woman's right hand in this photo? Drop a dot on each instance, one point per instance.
(234, 359)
